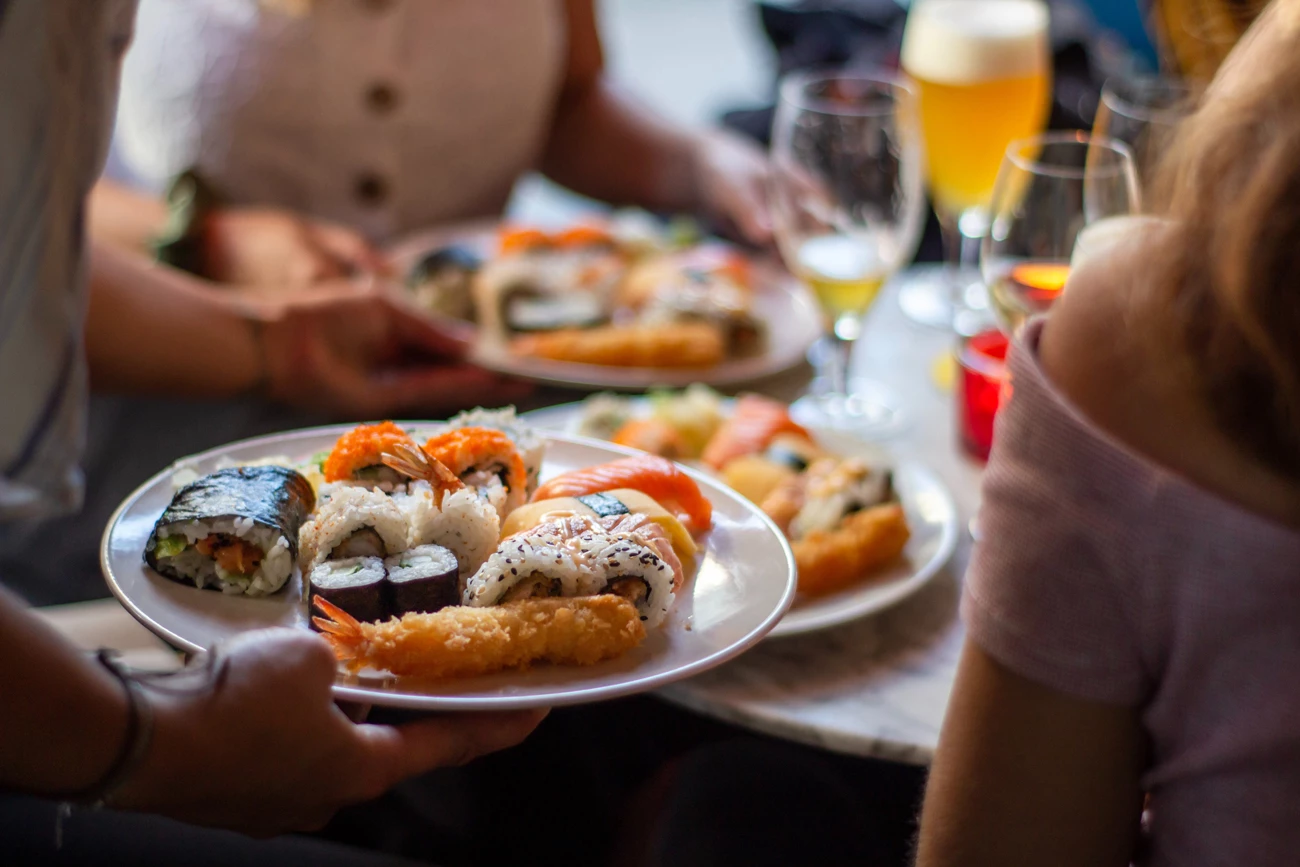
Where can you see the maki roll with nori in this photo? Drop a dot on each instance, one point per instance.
(235, 530)
(441, 281)
(356, 585)
(423, 579)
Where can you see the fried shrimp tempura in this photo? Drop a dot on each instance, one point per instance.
(681, 344)
(462, 642)
(831, 560)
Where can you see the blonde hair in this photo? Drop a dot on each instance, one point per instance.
(1195, 36)
(1231, 183)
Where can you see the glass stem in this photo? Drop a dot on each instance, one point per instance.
(950, 232)
(843, 333)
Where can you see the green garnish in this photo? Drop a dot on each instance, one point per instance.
(684, 231)
(319, 458)
(170, 546)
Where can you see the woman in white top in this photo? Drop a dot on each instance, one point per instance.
(325, 122)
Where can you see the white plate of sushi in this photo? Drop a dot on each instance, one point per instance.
(233, 517)
(928, 506)
(781, 320)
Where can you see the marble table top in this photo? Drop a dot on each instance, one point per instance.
(879, 686)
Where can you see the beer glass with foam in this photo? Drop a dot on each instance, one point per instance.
(982, 73)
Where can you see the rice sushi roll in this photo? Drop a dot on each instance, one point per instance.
(464, 523)
(354, 522)
(235, 530)
(637, 573)
(551, 559)
(421, 580)
(356, 585)
(531, 446)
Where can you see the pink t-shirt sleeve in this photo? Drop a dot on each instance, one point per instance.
(1046, 594)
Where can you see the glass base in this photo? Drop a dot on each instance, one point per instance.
(933, 296)
(868, 412)
(926, 297)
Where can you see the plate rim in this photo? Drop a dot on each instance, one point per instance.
(926, 572)
(493, 356)
(422, 701)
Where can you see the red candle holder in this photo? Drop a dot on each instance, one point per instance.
(981, 372)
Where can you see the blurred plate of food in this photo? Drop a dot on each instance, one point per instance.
(626, 303)
(867, 531)
(463, 565)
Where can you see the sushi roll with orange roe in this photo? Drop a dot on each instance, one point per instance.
(485, 460)
(358, 455)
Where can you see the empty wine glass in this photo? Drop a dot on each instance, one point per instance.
(1050, 188)
(1142, 112)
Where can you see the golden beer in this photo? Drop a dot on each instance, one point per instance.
(982, 70)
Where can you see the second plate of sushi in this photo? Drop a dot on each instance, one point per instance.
(866, 531)
(619, 303)
(469, 564)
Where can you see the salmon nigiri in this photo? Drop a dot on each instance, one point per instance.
(754, 423)
(650, 474)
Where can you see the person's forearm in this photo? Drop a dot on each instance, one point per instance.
(153, 329)
(605, 145)
(124, 217)
(62, 716)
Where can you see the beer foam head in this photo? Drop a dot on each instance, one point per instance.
(968, 41)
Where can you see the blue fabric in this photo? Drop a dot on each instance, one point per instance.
(1126, 19)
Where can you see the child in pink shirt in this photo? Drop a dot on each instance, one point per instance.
(1130, 689)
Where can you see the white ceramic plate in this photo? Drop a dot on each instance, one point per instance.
(743, 585)
(789, 312)
(931, 514)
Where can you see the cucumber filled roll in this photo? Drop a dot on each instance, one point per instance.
(421, 580)
(235, 530)
(356, 585)
(354, 522)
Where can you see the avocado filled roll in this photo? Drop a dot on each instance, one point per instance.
(234, 530)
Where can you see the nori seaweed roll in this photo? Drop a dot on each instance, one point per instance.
(235, 530)
(423, 579)
(356, 585)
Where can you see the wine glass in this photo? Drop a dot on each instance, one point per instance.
(1142, 112)
(982, 70)
(1051, 187)
(847, 209)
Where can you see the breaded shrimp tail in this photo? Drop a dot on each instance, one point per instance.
(463, 642)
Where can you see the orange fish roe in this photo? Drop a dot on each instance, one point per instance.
(583, 235)
(519, 240)
(361, 447)
(466, 449)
